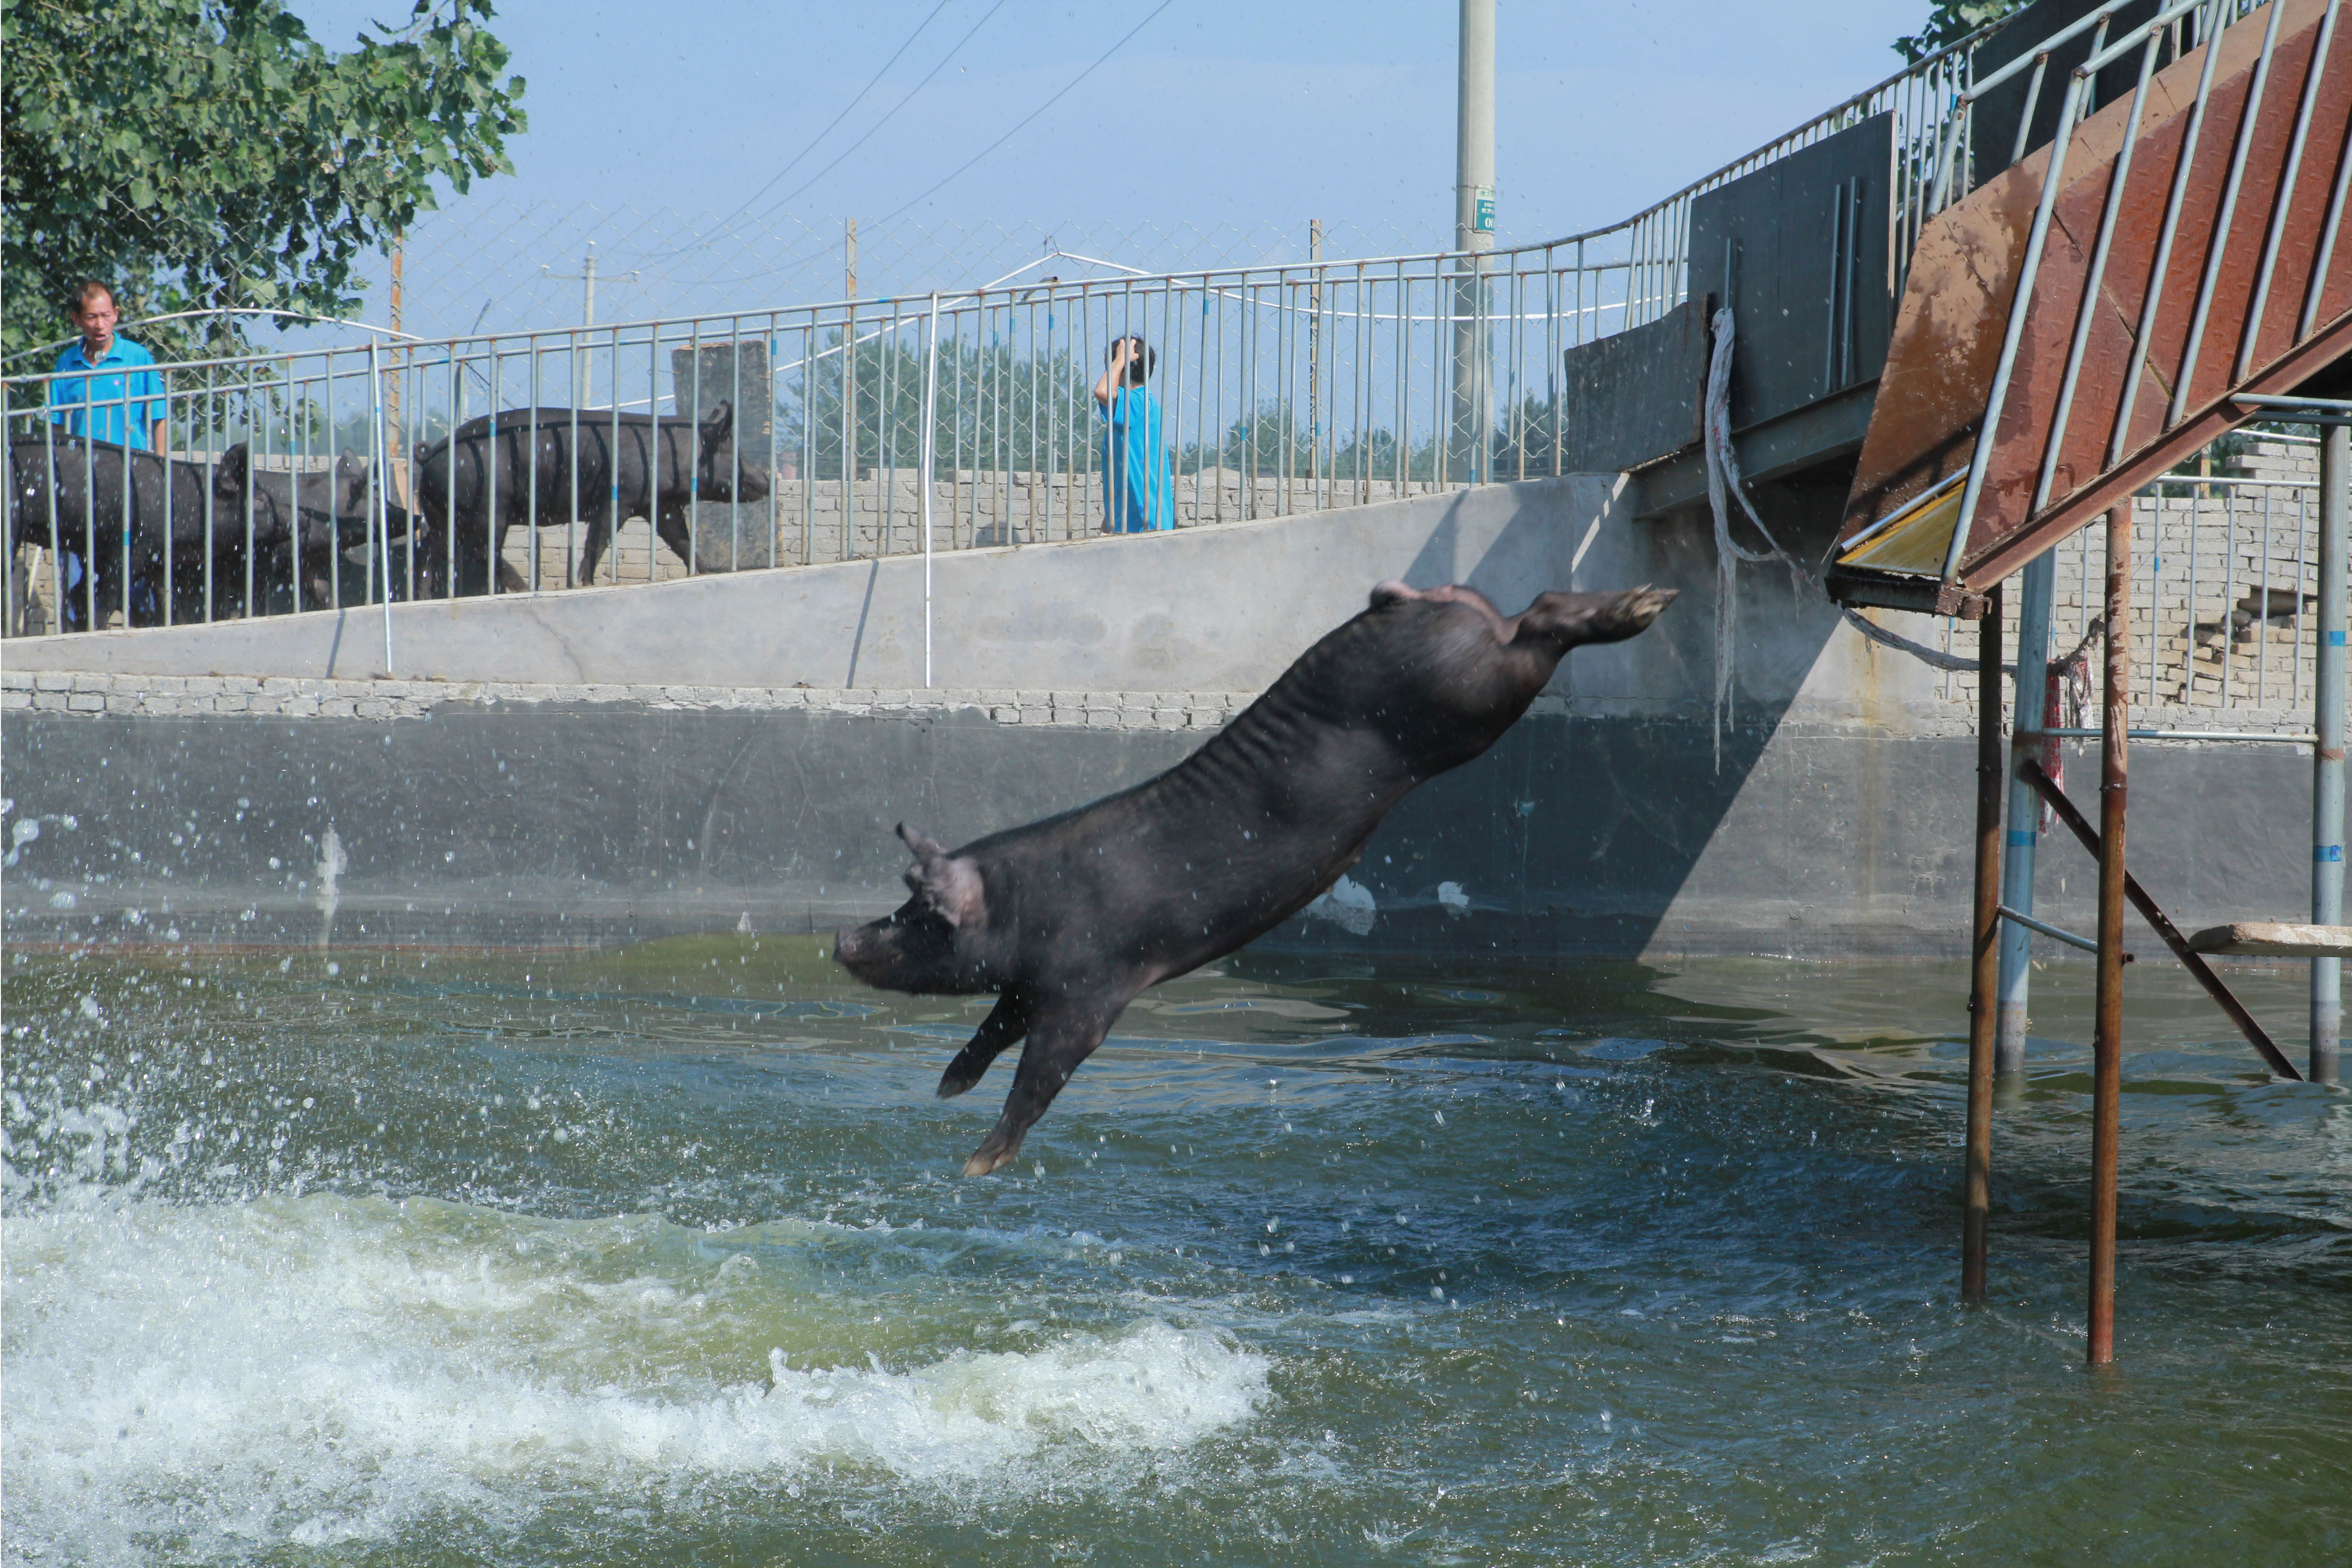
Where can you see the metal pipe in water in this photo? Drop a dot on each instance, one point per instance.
(1983, 947)
(2327, 769)
(2024, 835)
(2106, 1042)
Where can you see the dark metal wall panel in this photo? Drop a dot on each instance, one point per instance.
(1800, 248)
(1992, 129)
(1634, 397)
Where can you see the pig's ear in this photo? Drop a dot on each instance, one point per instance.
(229, 474)
(948, 884)
(1391, 592)
(715, 425)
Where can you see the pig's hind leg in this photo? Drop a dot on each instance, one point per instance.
(1062, 1033)
(1004, 1026)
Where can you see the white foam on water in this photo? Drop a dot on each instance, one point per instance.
(315, 1368)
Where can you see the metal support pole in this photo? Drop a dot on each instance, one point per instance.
(850, 392)
(2106, 1041)
(1474, 236)
(2024, 835)
(1983, 939)
(930, 457)
(1315, 358)
(396, 448)
(2327, 768)
(379, 526)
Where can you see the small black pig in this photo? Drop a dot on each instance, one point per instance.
(1069, 917)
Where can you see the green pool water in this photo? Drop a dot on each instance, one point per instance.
(658, 1256)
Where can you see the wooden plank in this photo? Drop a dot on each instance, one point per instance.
(2275, 940)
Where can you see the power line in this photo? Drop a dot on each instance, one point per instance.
(788, 262)
(1034, 113)
(871, 82)
(894, 109)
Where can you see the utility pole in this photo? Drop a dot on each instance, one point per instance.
(586, 277)
(587, 319)
(1473, 236)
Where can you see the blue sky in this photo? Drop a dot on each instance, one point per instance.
(1216, 113)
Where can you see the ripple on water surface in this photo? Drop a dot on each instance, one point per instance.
(654, 1256)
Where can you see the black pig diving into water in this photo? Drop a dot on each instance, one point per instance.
(1067, 919)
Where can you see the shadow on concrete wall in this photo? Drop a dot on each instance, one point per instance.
(1825, 823)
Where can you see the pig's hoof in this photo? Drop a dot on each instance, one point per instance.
(993, 1155)
(960, 1076)
(1637, 608)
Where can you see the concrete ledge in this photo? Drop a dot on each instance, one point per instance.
(95, 695)
(1220, 607)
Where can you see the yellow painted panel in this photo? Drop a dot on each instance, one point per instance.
(1915, 545)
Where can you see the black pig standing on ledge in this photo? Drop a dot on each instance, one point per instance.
(1069, 917)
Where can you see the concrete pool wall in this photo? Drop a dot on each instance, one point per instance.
(606, 763)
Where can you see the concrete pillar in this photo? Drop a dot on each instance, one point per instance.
(731, 536)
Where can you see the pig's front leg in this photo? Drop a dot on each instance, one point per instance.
(1004, 1026)
(1063, 1032)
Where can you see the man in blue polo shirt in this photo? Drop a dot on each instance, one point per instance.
(119, 397)
(124, 401)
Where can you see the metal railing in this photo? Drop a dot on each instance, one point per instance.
(857, 427)
(2225, 585)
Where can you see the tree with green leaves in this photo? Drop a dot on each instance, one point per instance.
(209, 154)
(1950, 21)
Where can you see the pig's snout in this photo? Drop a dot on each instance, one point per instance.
(860, 951)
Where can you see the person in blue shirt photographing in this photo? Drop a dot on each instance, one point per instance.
(1138, 485)
(119, 397)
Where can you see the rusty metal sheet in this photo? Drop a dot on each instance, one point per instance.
(2331, 345)
(1963, 278)
(1947, 341)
